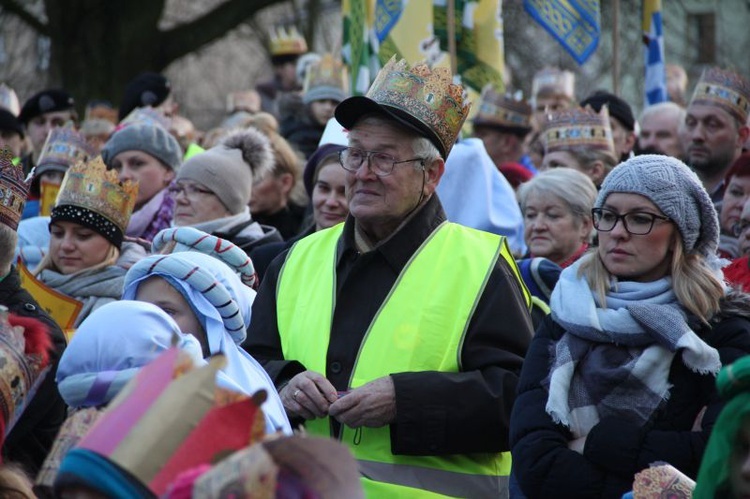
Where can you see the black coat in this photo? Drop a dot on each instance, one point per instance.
(32, 436)
(615, 450)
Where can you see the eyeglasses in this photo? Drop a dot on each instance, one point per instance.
(380, 163)
(190, 191)
(740, 227)
(638, 223)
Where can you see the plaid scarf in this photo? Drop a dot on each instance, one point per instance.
(615, 360)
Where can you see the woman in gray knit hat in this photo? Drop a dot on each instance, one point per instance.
(212, 190)
(147, 153)
(621, 374)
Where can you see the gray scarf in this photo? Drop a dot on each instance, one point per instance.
(93, 288)
(615, 360)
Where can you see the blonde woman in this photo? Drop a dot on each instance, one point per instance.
(622, 372)
(87, 227)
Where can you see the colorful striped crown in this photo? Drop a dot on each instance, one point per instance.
(576, 127)
(13, 190)
(725, 89)
(64, 147)
(426, 95)
(287, 42)
(91, 186)
(498, 110)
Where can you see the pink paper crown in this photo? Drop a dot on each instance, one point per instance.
(172, 417)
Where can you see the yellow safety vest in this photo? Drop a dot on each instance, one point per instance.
(428, 311)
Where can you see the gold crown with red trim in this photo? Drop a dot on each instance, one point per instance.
(577, 127)
(427, 95)
(91, 186)
(725, 89)
(502, 110)
(13, 190)
(287, 42)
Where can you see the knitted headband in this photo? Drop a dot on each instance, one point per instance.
(676, 191)
(190, 239)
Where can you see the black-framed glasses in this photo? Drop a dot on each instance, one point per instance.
(638, 223)
(381, 163)
(740, 227)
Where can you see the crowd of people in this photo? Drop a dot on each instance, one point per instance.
(397, 294)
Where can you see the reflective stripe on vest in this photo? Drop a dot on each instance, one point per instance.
(427, 312)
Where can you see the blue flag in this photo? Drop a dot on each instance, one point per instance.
(655, 85)
(573, 23)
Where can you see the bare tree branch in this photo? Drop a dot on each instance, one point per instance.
(13, 7)
(191, 36)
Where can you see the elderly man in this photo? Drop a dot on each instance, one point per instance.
(715, 128)
(660, 130)
(397, 332)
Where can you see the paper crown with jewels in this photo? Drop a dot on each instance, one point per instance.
(9, 99)
(578, 127)
(554, 81)
(326, 79)
(14, 189)
(287, 42)
(503, 111)
(725, 89)
(93, 196)
(63, 148)
(421, 98)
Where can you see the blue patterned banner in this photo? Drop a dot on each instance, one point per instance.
(573, 23)
(387, 14)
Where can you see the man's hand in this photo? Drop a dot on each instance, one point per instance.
(372, 405)
(308, 394)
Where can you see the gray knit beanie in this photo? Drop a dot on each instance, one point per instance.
(229, 168)
(324, 92)
(149, 138)
(676, 190)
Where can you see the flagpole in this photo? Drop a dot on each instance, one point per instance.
(451, 21)
(616, 47)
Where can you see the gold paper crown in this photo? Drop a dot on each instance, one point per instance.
(64, 147)
(13, 190)
(577, 126)
(555, 81)
(498, 110)
(91, 186)
(327, 72)
(725, 89)
(289, 42)
(426, 95)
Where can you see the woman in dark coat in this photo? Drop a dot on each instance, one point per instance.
(622, 373)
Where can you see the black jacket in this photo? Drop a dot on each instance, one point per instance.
(615, 450)
(31, 438)
(437, 413)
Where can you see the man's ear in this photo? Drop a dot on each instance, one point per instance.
(433, 173)
(596, 172)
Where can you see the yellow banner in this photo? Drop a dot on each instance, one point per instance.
(62, 308)
(48, 195)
